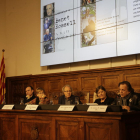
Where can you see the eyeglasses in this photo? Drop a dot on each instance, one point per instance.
(68, 91)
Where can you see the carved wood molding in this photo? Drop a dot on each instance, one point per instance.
(84, 80)
(34, 133)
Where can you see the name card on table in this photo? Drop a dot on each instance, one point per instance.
(31, 107)
(66, 107)
(10, 107)
(98, 108)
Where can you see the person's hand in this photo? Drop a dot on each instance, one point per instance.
(28, 96)
(126, 107)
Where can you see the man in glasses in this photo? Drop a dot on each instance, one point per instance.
(68, 98)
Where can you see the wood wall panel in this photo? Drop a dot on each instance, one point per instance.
(54, 85)
(134, 80)
(18, 90)
(88, 83)
(75, 125)
(86, 80)
(110, 82)
(41, 84)
(69, 129)
(73, 82)
(7, 129)
(101, 130)
(34, 129)
(133, 130)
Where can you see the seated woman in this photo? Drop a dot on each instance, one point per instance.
(68, 98)
(42, 97)
(103, 98)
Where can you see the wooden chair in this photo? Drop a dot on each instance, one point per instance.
(83, 95)
(112, 94)
(54, 97)
(95, 96)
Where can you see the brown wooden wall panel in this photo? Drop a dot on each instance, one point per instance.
(134, 80)
(110, 82)
(8, 129)
(69, 129)
(18, 90)
(88, 83)
(41, 84)
(34, 129)
(101, 130)
(75, 125)
(133, 130)
(86, 80)
(54, 85)
(73, 82)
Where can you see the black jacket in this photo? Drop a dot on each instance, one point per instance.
(132, 100)
(32, 98)
(72, 99)
(107, 101)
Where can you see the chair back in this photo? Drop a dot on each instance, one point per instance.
(83, 95)
(54, 97)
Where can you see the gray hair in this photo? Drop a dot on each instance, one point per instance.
(63, 88)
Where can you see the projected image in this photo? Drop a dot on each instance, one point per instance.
(84, 2)
(109, 14)
(48, 22)
(48, 47)
(48, 36)
(88, 16)
(48, 29)
(49, 10)
(80, 30)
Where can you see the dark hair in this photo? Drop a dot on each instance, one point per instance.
(30, 87)
(129, 87)
(100, 87)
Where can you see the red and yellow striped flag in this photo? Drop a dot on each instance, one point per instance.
(2, 80)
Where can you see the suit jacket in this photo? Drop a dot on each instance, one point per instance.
(72, 99)
(132, 100)
(32, 100)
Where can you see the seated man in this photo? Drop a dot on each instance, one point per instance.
(30, 97)
(68, 98)
(42, 97)
(127, 98)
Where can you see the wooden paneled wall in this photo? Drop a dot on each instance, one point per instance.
(86, 80)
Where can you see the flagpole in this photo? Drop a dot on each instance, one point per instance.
(2, 80)
(4, 102)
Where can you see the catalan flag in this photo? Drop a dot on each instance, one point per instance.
(2, 80)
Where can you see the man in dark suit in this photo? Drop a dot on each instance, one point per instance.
(30, 97)
(68, 98)
(127, 98)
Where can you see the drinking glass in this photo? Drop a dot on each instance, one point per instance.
(22, 101)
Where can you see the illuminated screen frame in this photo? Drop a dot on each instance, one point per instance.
(80, 30)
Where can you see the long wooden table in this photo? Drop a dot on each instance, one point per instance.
(76, 125)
